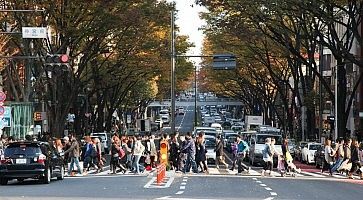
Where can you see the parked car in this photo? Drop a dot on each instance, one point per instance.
(307, 153)
(210, 145)
(35, 160)
(319, 156)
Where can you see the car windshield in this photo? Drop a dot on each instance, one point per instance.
(314, 147)
(261, 139)
(22, 150)
(209, 142)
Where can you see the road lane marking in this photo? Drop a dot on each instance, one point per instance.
(254, 179)
(214, 171)
(267, 188)
(313, 174)
(180, 192)
(258, 181)
(183, 183)
(152, 183)
(263, 185)
(273, 193)
(182, 187)
(269, 198)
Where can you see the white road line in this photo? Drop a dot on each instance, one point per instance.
(255, 179)
(269, 198)
(263, 185)
(267, 188)
(254, 173)
(313, 174)
(180, 192)
(183, 183)
(185, 177)
(258, 181)
(214, 171)
(182, 187)
(273, 193)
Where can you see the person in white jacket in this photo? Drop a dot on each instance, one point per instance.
(138, 151)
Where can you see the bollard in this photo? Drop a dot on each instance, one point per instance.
(160, 173)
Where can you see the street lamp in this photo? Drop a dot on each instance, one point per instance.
(195, 97)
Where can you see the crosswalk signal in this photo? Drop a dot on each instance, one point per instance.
(164, 152)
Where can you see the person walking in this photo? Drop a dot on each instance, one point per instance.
(234, 148)
(220, 153)
(355, 160)
(328, 157)
(137, 152)
(200, 156)
(153, 151)
(115, 156)
(74, 154)
(267, 157)
(242, 148)
(339, 155)
(189, 148)
(89, 154)
(98, 159)
(174, 152)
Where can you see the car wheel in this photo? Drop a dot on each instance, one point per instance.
(47, 177)
(61, 176)
(4, 181)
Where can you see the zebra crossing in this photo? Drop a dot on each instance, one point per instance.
(257, 172)
(213, 171)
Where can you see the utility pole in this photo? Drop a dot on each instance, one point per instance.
(320, 93)
(173, 54)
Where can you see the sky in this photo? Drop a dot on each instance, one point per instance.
(189, 23)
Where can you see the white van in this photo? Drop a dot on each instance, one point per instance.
(218, 127)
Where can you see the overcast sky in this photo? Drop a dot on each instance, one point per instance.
(189, 22)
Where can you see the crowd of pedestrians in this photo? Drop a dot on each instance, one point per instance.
(345, 157)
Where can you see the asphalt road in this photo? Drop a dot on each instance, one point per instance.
(185, 123)
(183, 187)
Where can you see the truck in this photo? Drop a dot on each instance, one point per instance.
(252, 122)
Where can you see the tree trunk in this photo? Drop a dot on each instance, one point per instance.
(342, 117)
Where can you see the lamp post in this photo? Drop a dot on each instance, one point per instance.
(195, 97)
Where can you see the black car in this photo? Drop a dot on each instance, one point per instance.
(36, 160)
(319, 156)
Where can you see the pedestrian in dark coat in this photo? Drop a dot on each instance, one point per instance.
(220, 153)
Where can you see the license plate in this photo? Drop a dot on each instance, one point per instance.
(20, 161)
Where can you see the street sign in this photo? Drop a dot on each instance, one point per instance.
(224, 62)
(2, 96)
(128, 119)
(34, 32)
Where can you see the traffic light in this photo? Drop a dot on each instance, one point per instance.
(164, 152)
(57, 62)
